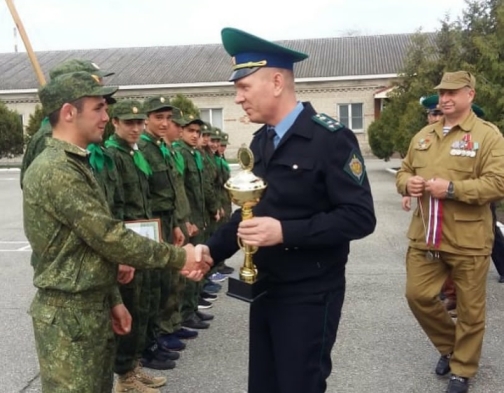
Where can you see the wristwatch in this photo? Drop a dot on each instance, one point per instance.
(450, 192)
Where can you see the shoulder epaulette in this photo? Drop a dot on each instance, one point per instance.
(327, 122)
(491, 125)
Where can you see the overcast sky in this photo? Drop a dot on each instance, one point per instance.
(84, 24)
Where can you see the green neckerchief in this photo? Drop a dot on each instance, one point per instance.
(176, 144)
(98, 159)
(138, 158)
(162, 145)
(226, 165)
(179, 160)
(221, 161)
(198, 159)
(45, 122)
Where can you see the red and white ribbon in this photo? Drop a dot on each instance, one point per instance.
(435, 224)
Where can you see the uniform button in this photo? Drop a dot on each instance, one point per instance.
(296, 248)
(294, 166)
(286, 248)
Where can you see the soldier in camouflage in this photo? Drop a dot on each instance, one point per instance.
(78, 245)
(198, 194)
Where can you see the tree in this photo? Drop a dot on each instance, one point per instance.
(185, 105)
(11, 132)
(34, 121)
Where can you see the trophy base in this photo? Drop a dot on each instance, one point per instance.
(247, 292)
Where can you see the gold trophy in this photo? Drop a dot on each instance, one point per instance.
(246, 190)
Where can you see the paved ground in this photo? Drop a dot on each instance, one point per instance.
(380, 348)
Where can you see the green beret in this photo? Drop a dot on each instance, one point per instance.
(70, 87)
(74, 65)
(250, 53)
(128, 110)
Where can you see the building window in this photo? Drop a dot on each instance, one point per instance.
(351, 115)
(212, 116)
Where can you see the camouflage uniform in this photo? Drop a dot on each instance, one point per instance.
(196, 189)
(163, 196)
(225, 172)
(78, 246)
(133, 204)
(210, 178)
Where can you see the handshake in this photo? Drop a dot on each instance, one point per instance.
(198, 262)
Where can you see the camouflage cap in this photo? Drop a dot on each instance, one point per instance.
(456, 80)
(70, 87)
(128, 110)
(178, 117)
(206, 128)
(224, 139)
(153, 104)
(74, 65)
(191, 119)
(216, 134)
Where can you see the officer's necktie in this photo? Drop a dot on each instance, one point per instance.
(269, 148)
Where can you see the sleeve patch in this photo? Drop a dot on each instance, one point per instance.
(355, 167)
(327, 122)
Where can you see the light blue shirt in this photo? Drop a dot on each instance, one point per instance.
(286, 123)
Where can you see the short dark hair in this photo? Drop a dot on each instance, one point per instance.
(55, 116)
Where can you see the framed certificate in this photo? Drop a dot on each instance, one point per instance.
(148, 228)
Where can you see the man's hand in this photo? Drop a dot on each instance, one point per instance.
(198, 262)
(406, 203)
(260, 231)
(121, 319)
(178, 237)
(194, 230)
(437, 187)
(217, 216)
(189, 228)
(415, 186)
(125, 274)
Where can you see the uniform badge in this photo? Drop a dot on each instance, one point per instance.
(355, 167)
(96, 78)
(162, 99)
(134, 109)
(423, 143)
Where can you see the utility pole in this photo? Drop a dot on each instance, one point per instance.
(26, 41)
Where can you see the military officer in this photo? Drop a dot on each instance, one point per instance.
(316, 202)
(37, 142)
(456, 168)
(78, 245)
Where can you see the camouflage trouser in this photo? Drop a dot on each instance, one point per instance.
(172, 291)
(75, 342)
(136, 298)
(192, 289)
(154, 294)
(168, 317)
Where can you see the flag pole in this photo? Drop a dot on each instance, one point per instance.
(26, 41)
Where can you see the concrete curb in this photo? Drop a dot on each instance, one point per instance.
(10, 169)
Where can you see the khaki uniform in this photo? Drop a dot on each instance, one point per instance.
(467, 236)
